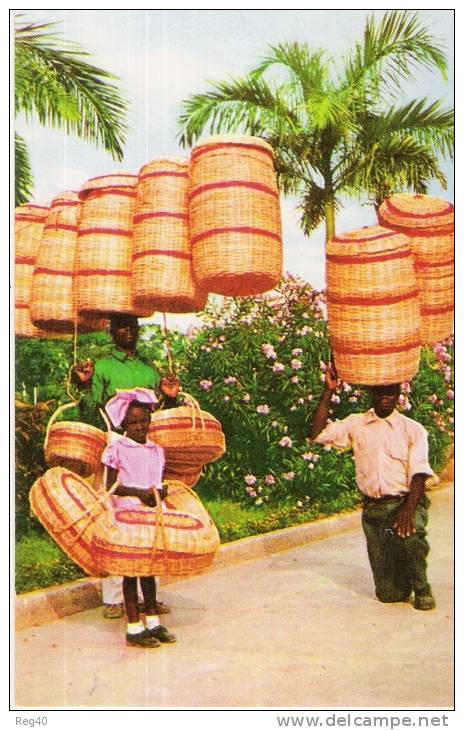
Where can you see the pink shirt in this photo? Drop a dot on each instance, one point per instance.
(387, 451)
(138, 465)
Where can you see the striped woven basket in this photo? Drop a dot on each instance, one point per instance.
(52, 292)
(104, 250)
(68, 508)
(190, 438)
(29, 225)
(74, 445)
(162, 257)
(189, 477)
(178, 539)
(429, 224)
(373, 306)
(234, 216)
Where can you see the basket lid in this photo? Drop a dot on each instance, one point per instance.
(223, 141)
(164, 163)
(416, 211)
(38, 211)
(68, 197)
(372, 237)
(114, 180)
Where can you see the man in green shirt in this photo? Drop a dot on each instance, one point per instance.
(122, 369)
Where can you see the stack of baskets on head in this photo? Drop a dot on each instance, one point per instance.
(373, 306)
(429, 225)
(29, 225)
(190, 438)
(162, 257)
(235, 216)
(104, 251)
(53, 305)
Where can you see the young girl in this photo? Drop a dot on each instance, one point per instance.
(137, 465)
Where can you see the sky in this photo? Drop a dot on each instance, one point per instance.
(164, 56)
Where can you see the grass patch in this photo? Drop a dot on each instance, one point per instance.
(40, 562)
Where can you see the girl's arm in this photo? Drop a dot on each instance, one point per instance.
(146, 496)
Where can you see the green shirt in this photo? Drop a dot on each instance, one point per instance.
(115, 372)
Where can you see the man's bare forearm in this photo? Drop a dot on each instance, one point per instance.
(321, 414)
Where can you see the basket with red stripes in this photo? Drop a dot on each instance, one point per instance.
(104, 251)
(373, 306)
(189, 436)
(52, 292)
(162, 256)
(73, 445)
(429, 224)
(234, 213)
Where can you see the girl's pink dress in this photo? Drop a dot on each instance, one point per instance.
(138, 465)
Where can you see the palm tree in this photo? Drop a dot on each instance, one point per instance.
(56, 85)
(335, 128)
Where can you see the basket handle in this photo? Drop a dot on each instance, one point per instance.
(195, 406)
(53, 418)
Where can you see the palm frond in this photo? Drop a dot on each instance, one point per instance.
(23, 172)
(54, 83)
(313, 207)
(392, 51)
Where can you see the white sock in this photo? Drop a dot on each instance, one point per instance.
(135, 628)
(152, 622)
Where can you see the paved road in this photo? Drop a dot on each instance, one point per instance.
(300, 628)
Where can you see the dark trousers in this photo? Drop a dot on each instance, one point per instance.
(398, 564)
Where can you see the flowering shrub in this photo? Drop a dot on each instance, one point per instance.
(258, 365)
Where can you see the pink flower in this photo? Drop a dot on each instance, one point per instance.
(335, 398)
(206, 384)
(322, 366)
(278, 367)
(226, 398)
(268, 350)
(249, 479)
(296, 364)
(450, 394)
(250, 491)
(289, 475)
(263, 410)
(308, 456)
(433, 398)
(231, 380)
(295, 380)
(297, 352)
(269, 479)
(347, 387)
(286, 442)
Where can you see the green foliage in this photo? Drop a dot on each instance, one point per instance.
(40, 563)
(56, 85)
(335, 125)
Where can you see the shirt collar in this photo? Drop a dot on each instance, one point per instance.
(122, 356)
(130, 442)
(371, 417)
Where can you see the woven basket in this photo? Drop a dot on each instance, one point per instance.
(162, 257)
(189, 477)
(373, 306)
(29, 225)
(68, 507)
(104, 250)
(52, 292)
(234, 216)
(74, 445)
(190, 438)
(180, 540)
(429, 225)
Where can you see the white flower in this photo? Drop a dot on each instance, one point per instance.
(258, 501)
(297, 352)
(295, 380)
(278, 367)
(247, 397)
(289, 475)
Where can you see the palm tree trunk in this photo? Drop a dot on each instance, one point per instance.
(329, 220)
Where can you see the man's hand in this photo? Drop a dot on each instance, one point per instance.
(405, 523)
(82, 371)
(147, 497)
(170, 385)
(331, 377)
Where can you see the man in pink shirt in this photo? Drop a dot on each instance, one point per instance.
(391, 459)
